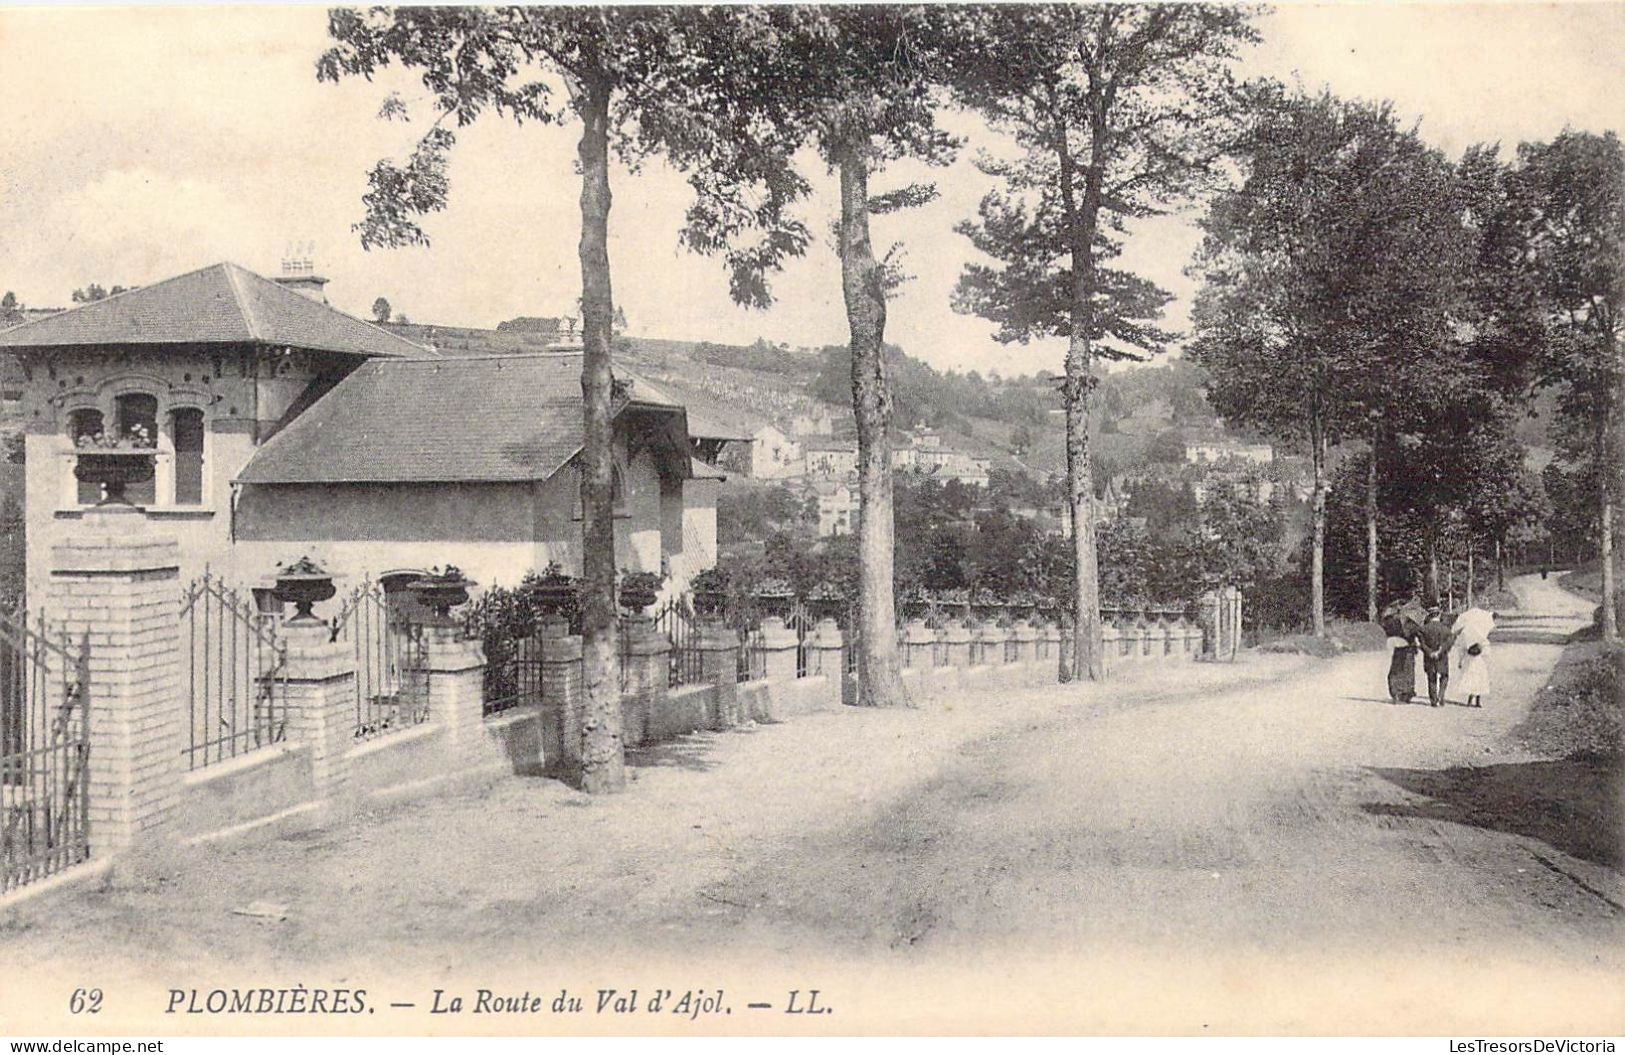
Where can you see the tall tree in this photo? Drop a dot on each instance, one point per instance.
(1121, 111)
(1329, 276)
(381, 310)
(858, 84)
(640, 82)
(1576, 189)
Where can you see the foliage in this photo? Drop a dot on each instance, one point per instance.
(381, 310)
(747, 513)
(94, 292)
(923, 395)
(1333, 279)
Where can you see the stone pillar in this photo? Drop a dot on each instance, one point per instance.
(1232, 596)
(956, 637)
(563, 701)
(1111, 644)
(114, 582)
(456, 672)
(1051, 632)
(826, 658)
(1193, 640)
(321, 703)
(1161, 639)
(1208, 620)
(987, 647)
(718, 646)
(778, 646)
(646, 666)
(919, 645)
(1133, 637)
(1026, 639)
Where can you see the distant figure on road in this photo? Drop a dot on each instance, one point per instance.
(1436, 642)
(1399, 623)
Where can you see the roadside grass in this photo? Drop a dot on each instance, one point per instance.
(1342, 637)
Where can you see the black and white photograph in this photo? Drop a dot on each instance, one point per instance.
(812, 520)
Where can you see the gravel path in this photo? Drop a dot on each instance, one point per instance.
(1262, 846)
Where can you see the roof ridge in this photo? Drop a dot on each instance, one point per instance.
(233, 269)
(496, 356)
(251, 321)
(110, 297)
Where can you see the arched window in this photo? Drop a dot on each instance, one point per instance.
(84, 425)
(186, 430)
(137, 424)
(617, 495)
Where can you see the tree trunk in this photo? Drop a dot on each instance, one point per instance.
(1086, 639)
(880, 679)
(1500, 568)
(1317, 555)
(602, 761)
(1433, 570)
(1470, 591)
(1610, 618)
(1371, 586)
(1607, 467)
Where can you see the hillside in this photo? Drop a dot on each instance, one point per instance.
(1017, 422)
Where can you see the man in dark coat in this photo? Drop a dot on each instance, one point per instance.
(1436, 640)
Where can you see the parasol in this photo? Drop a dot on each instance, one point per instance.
(1473, 627)
(1412, 615)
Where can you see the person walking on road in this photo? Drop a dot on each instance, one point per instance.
(1436, 640)
(1473, 644)
(1402, 626)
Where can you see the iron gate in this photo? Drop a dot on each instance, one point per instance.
(392, 680)
(237, 674)
(44, 753)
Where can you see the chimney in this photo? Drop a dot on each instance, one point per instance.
(299, 273)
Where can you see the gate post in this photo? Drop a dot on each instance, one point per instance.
(646, 663)
(455, 669)
(115, 583)
(321, 704)
(825, 657)
(718, 646)
(563, 700)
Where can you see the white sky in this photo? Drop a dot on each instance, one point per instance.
(142, 142)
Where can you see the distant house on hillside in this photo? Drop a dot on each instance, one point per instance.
(831, 458)
(1201, 452)
(837, 507)
(274, 426)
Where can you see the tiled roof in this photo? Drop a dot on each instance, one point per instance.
(703, 471)
(498, 419)
(223, 303)
(708, 419)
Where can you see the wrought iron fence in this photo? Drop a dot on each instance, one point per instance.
(513, 671)
(392, 682)
(801, 621)
(44, 753)
(750, 663)
(236, 674)
(676, 620)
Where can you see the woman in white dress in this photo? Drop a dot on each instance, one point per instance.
(1473, 673)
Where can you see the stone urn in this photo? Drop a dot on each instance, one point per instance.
(442, 591)
(638, 591)
(114, 469)
(303, 584)
(710, 591)
(553, 593)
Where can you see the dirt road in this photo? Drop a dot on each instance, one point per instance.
(1275, 826)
